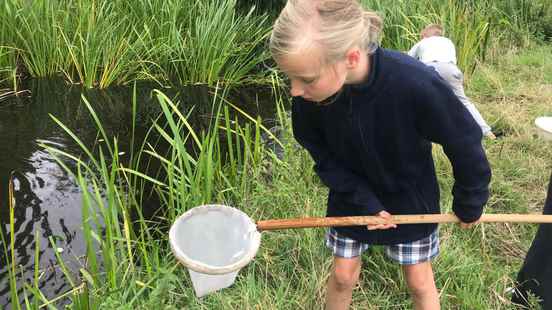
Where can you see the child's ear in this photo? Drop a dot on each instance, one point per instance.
(353, 57)
(423, 34)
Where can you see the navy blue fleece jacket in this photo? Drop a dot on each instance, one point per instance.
(372, 147)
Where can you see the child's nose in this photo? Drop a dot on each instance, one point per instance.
(296, 89)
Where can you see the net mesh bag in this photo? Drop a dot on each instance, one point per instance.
(214, 242)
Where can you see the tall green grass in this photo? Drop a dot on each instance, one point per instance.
(99, 43)
(35, 31)
(8, 74)
(7, 53)
(525, 17)
(102, 43)
(217, 40)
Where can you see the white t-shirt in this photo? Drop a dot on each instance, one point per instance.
(434, 48)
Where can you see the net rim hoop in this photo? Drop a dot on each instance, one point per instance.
(200, 267)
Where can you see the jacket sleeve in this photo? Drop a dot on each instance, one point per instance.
(442, 118)
(354, 189)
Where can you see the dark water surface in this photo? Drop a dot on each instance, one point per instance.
(48, 201)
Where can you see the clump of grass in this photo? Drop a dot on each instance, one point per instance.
(103, 43)
(216, 44)
(8, 77)
(524, 17)
(7, 65)
(102, 47)
(35, 31)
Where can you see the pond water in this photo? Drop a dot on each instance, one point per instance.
(48, 202)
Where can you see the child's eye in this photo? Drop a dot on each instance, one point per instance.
(308, 81)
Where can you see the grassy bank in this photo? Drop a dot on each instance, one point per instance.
(129, 264)
(103, 43)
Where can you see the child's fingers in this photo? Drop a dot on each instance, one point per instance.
(380, 226)
(386, 216)
(468, 225)
(374, 227)
(491, 135)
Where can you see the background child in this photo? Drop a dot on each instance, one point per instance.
(439, 52)
(367, 116)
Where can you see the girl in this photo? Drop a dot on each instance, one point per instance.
(367, 116)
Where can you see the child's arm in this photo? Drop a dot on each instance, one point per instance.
(330, 170)
(442, 118)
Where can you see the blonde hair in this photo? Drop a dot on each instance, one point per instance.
(333, 25)
(432, 30)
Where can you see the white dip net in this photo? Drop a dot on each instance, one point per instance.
(214, 242)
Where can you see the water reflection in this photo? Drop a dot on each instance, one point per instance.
(47, 199)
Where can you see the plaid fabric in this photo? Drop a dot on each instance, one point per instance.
(403, 253)
(343, 246)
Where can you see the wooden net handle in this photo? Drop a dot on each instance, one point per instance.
(395, 219)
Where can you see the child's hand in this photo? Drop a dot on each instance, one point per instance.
(468, 225)
(490, 135)
(386, 216)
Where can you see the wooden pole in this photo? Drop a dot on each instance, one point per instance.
(395, 219)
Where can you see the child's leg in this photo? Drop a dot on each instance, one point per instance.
(345, 269)
(343, 278)
(415, 259)
(421, 285)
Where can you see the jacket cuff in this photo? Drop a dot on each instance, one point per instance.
(467, 214)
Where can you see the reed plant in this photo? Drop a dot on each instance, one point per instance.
(35, 29)
(103, 43)
(270, 7)
(525, 17)
(217, 44)
(99, 43)
(8, 72)
(7, 51)
(158, 26)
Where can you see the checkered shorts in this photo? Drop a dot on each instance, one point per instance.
(403, 253)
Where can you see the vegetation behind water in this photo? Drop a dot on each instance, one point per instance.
(99, 43)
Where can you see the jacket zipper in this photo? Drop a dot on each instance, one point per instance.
(374, 233)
